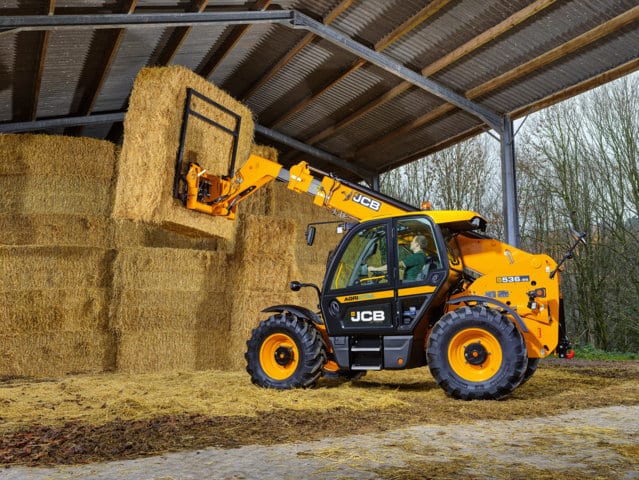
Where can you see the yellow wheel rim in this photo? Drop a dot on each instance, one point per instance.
(475, 355)
(279, 356)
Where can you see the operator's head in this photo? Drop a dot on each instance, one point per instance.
(420, 241)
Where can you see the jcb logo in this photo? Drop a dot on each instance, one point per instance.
(367, 202)
(368, 316)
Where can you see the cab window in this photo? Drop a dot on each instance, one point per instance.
(417, 251)
(364, 261)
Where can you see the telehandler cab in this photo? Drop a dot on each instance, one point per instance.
(480, 313)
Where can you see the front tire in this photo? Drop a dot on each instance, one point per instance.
(285, 352)
(477, 354)
(533, 363)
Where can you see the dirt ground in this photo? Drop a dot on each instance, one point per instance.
(40, 428)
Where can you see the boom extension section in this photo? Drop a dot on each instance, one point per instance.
(220, 195)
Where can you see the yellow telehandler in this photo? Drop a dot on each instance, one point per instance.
(404, 288)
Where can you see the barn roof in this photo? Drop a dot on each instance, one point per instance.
(353, 86)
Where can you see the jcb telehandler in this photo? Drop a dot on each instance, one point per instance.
(480, 313)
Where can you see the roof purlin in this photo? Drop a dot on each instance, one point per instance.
(307, 39)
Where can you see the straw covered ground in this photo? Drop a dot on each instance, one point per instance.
(82, 419)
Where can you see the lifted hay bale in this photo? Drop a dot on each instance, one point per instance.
(144, 189)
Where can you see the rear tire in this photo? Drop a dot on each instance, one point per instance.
(476, 354)
(285, 352)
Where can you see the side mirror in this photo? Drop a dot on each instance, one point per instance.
(579, 237)
(310, 235)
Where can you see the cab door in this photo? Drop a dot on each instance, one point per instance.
(356, 299)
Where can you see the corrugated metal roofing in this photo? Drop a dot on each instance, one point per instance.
(509, 56)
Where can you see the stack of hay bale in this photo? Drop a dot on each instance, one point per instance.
(103, 270)
(170, 307)
(55, 254)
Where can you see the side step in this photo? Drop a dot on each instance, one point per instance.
(365, 367)
(367, 353)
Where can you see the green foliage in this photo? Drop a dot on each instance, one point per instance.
(588, 352)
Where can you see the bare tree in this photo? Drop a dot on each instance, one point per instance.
(462, 177)
(582, 162)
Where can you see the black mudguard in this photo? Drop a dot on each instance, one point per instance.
(296, 310)
(496, 303)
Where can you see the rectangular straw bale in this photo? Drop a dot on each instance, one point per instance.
(261, 202)
(140, 310)
(264, 272)
(55, 194)
(152, 351)
(35, 267)
(258, 203)
(160, 350)
(298, 206)
(54, 310)
(260, 234)
(56, 155)
(301, 209)
(131, 233)
(171, 269)
(54, 354)
(265, 151)
(151, 138)
(212, 349)
(311, 273)
(54, 229)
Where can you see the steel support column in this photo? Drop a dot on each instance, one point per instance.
(374, 183)
(509, 183)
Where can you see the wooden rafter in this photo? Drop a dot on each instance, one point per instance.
(448, 59)
(306, 40)
(387, 40)
(229, 42)
(40, 60)
(173, 45)
(581, 87)
(608, 76)
(526, 68)
(420, 17)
